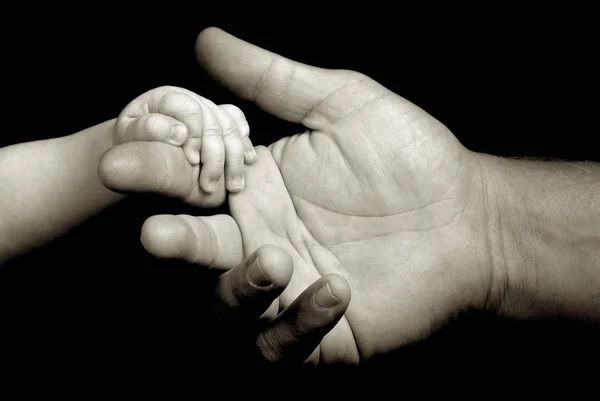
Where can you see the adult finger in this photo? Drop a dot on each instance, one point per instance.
(154, 167)
(296, 332)
(246, 292)
(288, 89)
(213, 241)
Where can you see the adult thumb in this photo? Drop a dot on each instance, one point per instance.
(287, 89)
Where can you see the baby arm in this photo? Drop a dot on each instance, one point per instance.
(47, 187)
(36, 208)
(215, 136)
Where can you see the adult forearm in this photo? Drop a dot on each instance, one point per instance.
(544, 230)
(47, 187)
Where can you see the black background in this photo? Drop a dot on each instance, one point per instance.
(508, 82)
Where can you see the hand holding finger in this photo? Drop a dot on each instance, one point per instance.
(152, 167)
(150, 127)
(163, 114)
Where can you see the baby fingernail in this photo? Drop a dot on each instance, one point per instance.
(237, 183)
(325, 298)
(178, 133)
(256, 275)
(213, 185)
(250, 154)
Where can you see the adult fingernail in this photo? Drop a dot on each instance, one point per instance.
(256, 275)
(178, 133)
(325, 298)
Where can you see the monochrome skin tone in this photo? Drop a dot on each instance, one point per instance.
(362, 234)
(217, 136)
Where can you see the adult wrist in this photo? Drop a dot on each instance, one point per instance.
(544, 237)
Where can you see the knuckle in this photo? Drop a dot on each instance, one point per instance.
(213, 159)
(274, 344)
(230, 131)
(169, 99)
(245, 133)
(180, 101)
(352, 76)
(149, 124)
(190, 107)
(211, 130)
(215, 163)
(236, 159)
(233, 111)
(166, 92)
(166, 88)
(269, 346)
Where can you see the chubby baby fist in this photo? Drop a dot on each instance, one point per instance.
(217, 137)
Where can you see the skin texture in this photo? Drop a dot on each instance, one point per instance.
(374, 226)
(376, 191)
(37, 209)
(215, 135)
(360, 235)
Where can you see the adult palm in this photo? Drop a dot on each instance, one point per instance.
(376, 190)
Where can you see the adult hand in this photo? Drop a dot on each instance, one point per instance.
(245, 295)
(376, 191)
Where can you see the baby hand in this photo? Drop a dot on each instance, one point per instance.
(217, 136)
